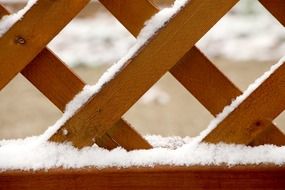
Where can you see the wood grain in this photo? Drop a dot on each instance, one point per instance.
(142, 71)
(213, 90)
(159, 177)
(254, 114)
(59, 84)
(22, 42)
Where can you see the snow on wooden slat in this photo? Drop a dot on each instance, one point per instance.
(253, 111)
(213, 90)
(62, 85)
(140, 72)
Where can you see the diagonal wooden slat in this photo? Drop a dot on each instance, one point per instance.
(254, 114)
(62, 85)
(43, 19)
(256, 123)
(131, 13)
(277, 9)
(143, 70)
(213, 90)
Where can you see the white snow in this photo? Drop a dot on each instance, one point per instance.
(8, 21)
(33, 154)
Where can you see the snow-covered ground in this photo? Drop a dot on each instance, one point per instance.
(240, 36)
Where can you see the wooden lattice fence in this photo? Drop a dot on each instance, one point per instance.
(167, 51)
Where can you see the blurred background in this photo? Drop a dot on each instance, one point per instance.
(244, 44)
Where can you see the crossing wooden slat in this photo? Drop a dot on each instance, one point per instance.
(127, 12)
(276, 7)
(213, 90)
(125, 136)
(22, 42)
(58, 83)
(63, 85)
(143, 70)
(254, 114)
(53, 78)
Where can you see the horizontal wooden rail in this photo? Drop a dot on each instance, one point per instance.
(159, 177)
(142, 71)
(59, 84)
(214, 90)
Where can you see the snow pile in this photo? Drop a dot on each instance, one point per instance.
(30, 153)
(8, 21)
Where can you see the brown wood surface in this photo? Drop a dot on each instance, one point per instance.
(15, 54)
(59, 84)
(131, 13)
(254, 114)
(143, 70)
(159, 177)
(213, 90)
(263, 131)
(277, 9)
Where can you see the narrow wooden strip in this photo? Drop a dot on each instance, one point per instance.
(271, 135)
(106, 142)
(203, 79)
(214, 90)
(124, 135)
(143, 70)
(53, 78)
(254, 114)
(131, 13)
(3, 11)
(22, 42)
(159, 177)
(277, 9)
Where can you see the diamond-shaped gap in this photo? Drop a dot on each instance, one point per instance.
(241, 55)
(168, 109)
(24, 111)
(92, 41)
(280, 121)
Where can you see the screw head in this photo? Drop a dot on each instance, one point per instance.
(20, 40)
